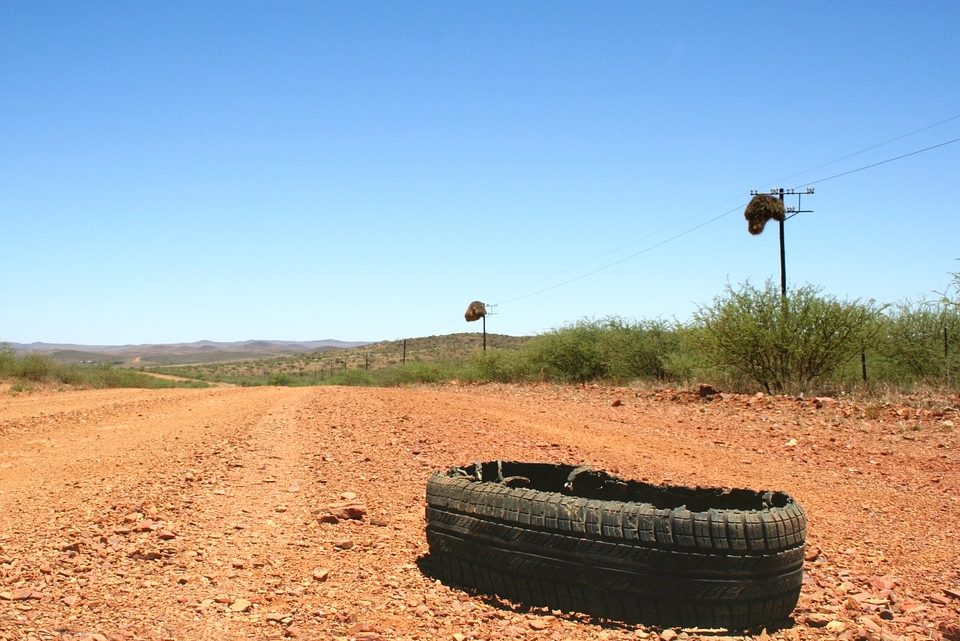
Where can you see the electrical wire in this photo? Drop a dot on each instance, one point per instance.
(866, 149)
(882, 162)
(716, 218)
(726, 213)
(625, 258)
(620, 248)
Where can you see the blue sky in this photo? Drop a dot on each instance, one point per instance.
(362, 171)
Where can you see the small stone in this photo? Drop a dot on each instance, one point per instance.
(348, 496)
(275, 617)
(334, 512)
(836, 626)
(812, 554)
(870, 623)
(668, 635)
(883, 583)
(240, 605)
(911, 607)
(145, 525)
(20, 594)
(846, 588)
(459, 636)
(616, 403)
(343, 545)
(357, 628)
(321, 575)
(70, 601)
(817, 620)
(537, 624)
(791, 443)
(166, 535)
(280, 508)
(294, 488)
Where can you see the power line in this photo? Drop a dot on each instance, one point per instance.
(870, 148)
(617, 249)
(715, 218)
(680, 222)
(730, 211)
(883, 162)
(626, 258)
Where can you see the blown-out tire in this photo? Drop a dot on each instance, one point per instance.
(575, 539)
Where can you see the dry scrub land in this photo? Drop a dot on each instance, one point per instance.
(205, 514)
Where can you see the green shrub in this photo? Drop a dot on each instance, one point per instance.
(7, 360)
(37, 368)
(500, 366)
(570, 355)
(916, 339)
(609, 349)
(354, 377)
(783, 345)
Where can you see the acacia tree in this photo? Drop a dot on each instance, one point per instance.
(790, 344)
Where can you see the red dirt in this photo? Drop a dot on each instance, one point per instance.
(198, 514)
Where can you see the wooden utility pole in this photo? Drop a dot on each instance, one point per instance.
(789, 212)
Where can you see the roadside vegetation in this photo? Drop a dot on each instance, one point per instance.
(32, 371)
(747, 339)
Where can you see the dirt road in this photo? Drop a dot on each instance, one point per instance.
(199, 514)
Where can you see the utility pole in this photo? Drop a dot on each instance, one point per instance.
(479, 310)
(489, 307)
(789, 212)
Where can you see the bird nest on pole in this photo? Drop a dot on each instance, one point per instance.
(475, 311)
(762, 208)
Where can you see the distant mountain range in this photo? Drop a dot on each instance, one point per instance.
(179, 353)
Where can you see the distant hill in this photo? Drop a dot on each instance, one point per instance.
(180, 353)
(312, 367)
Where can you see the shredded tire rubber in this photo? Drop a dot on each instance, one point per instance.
(580, 540)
